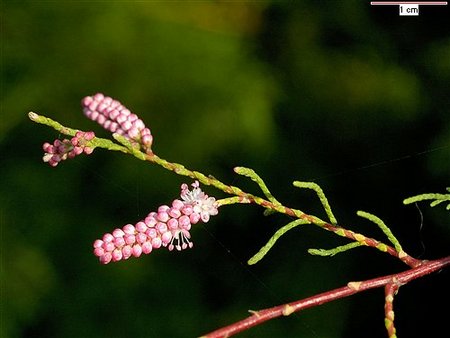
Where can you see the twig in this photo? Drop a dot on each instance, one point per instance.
(258, 317)
(390, 290)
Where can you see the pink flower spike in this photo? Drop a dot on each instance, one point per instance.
(168, 227)
(62, 150)
(115, 117)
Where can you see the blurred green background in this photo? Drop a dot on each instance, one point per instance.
(350, 96)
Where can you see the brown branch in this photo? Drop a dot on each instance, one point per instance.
(259, 317)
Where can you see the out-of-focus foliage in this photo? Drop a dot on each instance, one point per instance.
(351, 96)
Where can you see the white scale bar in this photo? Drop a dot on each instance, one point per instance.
(408, 8)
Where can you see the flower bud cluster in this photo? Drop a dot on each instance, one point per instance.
(116, 118)
(168, 227)
(62, 150)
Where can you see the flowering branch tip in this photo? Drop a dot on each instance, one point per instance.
(62, 150)
(116, 118)
(168, 227)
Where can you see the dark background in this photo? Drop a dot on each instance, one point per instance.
(352, 97)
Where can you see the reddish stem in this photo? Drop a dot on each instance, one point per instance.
(259, 317)
(389, 291)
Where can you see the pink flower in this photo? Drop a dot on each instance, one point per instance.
(201, 204)
(168, 227)
(62, 150)
(116, 118)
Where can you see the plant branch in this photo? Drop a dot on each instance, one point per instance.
(438, 198)
(242, 197)
(261, 316)
(390, 290)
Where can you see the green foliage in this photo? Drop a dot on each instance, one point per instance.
(254, 177)
(383, 228)
(436, 199)
(263, 251)
(335, 251)
(321, 195)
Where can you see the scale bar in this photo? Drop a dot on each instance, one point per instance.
(408, 8)
(397, 3)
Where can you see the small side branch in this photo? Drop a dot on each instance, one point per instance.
(263, 251)
(435, 198)
(383, 228)
(321, 195)
(390, 290)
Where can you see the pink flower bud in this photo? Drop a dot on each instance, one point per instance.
(118, 233)
(147, 247)
(116, 255)
(127, 251)
(137, 250)
(156, 242)
(106, 258)
(108, 237)
(166, 237)
(130, 239)
(141, 238)
(99, 252)
(98, 243)
(128, 229)
(151, 233)
(194, 218)
(119, 242)
(172, 224)
(141, 226)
